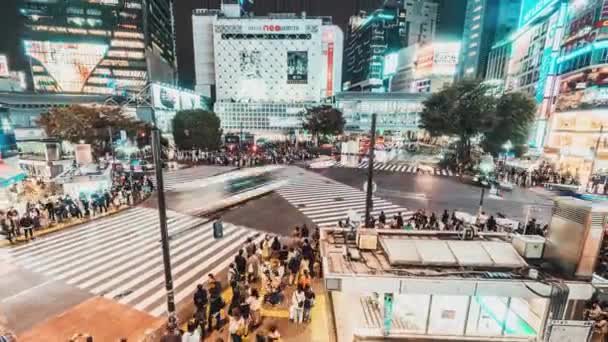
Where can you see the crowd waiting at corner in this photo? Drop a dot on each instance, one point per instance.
(53, 210)
(268, 273)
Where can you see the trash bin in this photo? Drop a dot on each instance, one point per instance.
(218, 229)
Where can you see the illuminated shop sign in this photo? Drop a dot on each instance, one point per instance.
(4, 66)
(267, 28)
(531, 9)
(68, 64)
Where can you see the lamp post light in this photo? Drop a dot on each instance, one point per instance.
(507, 147)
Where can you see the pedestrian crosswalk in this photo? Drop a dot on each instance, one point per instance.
(173, 178)
(325, 201)
(428, 170)
(120, 257)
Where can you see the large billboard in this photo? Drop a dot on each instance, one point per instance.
(172, 99)
(62, 66)
(297, 67)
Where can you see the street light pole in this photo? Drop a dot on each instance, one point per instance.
(597, 146)
(162, 214)
(370, 175)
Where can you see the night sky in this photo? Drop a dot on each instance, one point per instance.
(451, 19)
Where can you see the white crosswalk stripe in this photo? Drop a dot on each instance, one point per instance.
(405, 168)
(325, 201)
(120, 257)
(173, 178)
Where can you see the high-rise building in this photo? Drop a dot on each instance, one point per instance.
(420, 22)
(486, 23)
(98, 46)
(535, 48)
(373, 36)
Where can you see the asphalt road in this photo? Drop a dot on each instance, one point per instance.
(436, 193)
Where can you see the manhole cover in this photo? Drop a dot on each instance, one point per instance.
(327, 182)
(338, 199)
(301, 205)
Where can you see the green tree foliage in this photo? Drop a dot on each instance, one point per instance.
(461, 110)
(514, 114)
(467, 110)
(324, 120)
(197, 129)
(90, 124)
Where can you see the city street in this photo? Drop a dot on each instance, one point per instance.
(437, 192)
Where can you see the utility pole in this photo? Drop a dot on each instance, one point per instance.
(111, 143)
(370, 175)
(162, 214)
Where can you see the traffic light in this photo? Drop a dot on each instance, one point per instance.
(254, 148)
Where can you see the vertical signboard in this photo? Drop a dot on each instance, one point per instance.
(330, 69)
(4, 66)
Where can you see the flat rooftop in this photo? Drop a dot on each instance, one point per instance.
(423, 254)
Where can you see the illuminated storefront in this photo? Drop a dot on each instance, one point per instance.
(98, 47)
(582, 92)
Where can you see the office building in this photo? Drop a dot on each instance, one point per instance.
(486, 23)
(98, 47)
(373, 36)
(264, 71)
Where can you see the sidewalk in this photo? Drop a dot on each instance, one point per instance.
(101, 318)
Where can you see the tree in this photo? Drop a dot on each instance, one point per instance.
(463, 110)
(196, 129)
(514, 115)
(90, 124)
(468, 110)
(323, 120)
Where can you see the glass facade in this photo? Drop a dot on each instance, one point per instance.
(97, 47)
(453, 316)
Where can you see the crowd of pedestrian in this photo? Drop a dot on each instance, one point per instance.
(543, 173)
(274, 272)
(270, 154)
(429, 220)
(51, 210)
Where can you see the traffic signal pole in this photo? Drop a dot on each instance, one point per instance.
(162, 214)
(370, 175)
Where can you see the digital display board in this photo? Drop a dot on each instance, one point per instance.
(172, 99)
(391, 62)
(297, 67)
(67, 65)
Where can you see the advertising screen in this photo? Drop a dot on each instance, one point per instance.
(68, 65)
(297, 67)
(250, 64)
(165, 97)
(189, 101)
(530, 9)
(4, 66)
